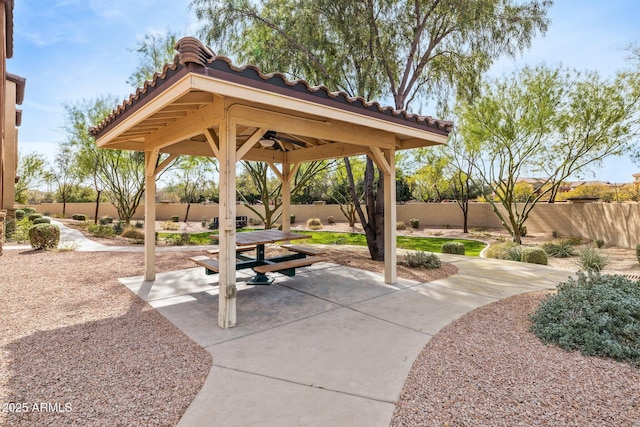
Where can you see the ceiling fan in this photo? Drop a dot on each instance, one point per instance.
(272, 139)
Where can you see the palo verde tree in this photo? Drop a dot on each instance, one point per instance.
(401, 50)
(32, 173)
(193, 177)
(549, 122)
(66, 174)
(154, 51)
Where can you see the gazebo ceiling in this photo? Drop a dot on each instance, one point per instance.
(181, 109)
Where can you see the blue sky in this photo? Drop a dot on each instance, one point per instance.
(70, 50)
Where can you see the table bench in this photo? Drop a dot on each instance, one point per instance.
(284, 266)
(241, 222)
(307, 250)
(211, 265)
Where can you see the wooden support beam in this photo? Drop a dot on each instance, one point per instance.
(390, 257)
(227, 214)
(328, 151)
(248, 145)
(150, 160)
(379, 159)
(275, 170)
(213, 141)
(164, 164)
(286, 195)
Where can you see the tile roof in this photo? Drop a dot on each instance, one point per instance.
(194, 57)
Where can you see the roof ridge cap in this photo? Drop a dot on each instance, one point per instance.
(191, 50)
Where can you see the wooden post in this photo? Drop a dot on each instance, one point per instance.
(390, 259)
(227, 224)
(150, 160)
(286, 196)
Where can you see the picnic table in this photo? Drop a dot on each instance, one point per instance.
(299, 256)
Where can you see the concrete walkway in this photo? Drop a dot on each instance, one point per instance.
(332, 345)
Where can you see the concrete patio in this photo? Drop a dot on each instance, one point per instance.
(332, 345)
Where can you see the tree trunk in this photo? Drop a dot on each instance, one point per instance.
(186, 215)
(95, 221)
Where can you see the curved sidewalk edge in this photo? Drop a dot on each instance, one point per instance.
(332, 345)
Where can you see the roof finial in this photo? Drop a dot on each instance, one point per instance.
(191, 50)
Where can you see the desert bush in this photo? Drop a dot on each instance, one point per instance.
(599, 243)
(175, 218)
(559, 249)
(314, 224)
(506, 250)
(555, 234)
(18, 231)
(44, 236)
(118, 227)
(42, 221)
(414, 223)
(456, 248)
(574, 240)
(33, 216)
(28, 211)
(19, 213)
(421, 259)
(80, 217)
(401, 225)
(523, 230)
(100, 230)
(185, 238)
(594, 314)
(106, 220)
(139, 224)
(9, 228)
(133, 233)
(168, 225)
(331, 219)
(534, 255)
(592, 259)
(292, 219)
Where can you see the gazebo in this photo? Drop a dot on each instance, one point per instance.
(203, 105)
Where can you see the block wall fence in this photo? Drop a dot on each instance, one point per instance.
(616, 224)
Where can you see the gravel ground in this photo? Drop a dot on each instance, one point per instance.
(487, 369)
(72, 335)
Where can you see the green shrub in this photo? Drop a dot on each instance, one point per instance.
(80, 217)
(421, 259)
(575, 240)
(20, 232)
(592, 259)
(118, 227)
(400, 225)
(185, 238)
(139, 224)
(314, 224)
(9, 228)
(133, 233)
(331, 219)
(100, 230)
(456, 248)
(44, 236)
(597, 315)
(534, 255)
(559, 249)
(599, 243)
(175, 218)
(414, 223)
(19, 214)
(42, 221)
(28, 211)
(506, 250)
(106, 220)
(555, 234)
(292, 219)
(33, 216)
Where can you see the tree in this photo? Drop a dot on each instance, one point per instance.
(431, 180)
(154, 51)
(549, 122)
(194, 176)
(31, 173)
(269, 189)
(400, 49)
(462, 183)
(65, 174)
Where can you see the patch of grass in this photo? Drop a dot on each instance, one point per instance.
(200, 239)
(426, 244)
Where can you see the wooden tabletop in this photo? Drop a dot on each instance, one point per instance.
(262, 237)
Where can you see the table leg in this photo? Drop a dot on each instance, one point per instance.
(260, 278)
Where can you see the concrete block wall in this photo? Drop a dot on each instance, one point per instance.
(616, 224)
